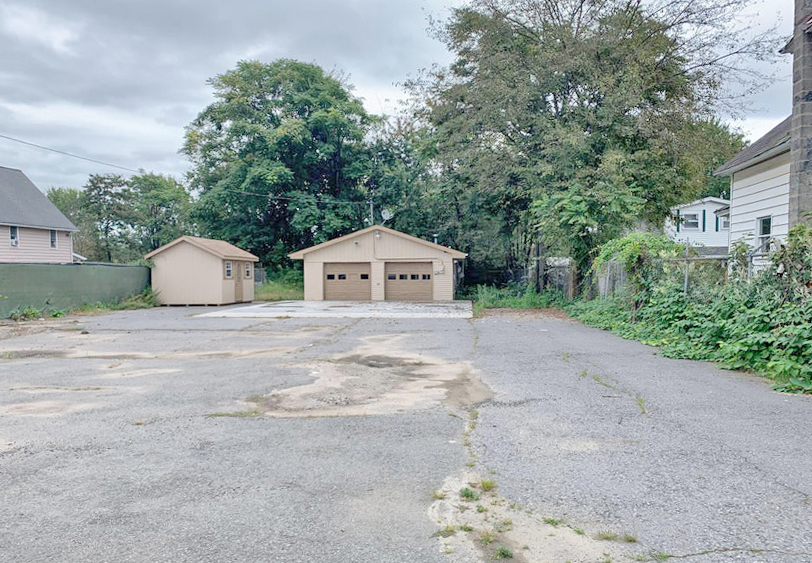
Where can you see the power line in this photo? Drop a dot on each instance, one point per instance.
(68, 154)
(268, 196)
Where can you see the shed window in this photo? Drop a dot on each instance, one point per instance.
(690, 221)
(248, 270)
(331, 276)
(53, 239)
(13, 236)
(229, 269)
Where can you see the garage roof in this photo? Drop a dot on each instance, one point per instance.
(300, 254)
(219, 248)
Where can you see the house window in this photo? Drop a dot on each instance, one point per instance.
(53, 238)
(248, 270)
(764, 227)
(724, 223)
(229, 269)
(13, 236)
(690, 221)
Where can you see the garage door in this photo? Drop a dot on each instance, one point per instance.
(347, 282)
(409, 281)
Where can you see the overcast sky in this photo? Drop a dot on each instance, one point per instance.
(117, 81)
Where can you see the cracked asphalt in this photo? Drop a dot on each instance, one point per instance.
(108, 451)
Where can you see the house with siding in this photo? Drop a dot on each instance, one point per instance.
(697, 223)
(32, 229)
(760, 189)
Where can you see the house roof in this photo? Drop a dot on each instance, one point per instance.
(220, 248)
(300, 254)
(22, 204)
(718, 200)
(775, 142)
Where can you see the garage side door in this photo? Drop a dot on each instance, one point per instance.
(347, 282)
(409, 281)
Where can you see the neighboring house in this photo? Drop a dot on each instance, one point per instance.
(760, 189)
(377, 264)
(698, 223)
(32, 229)
(202, 271)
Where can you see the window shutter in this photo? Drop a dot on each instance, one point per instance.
(703, 220)
(717, 223)
(678, 221)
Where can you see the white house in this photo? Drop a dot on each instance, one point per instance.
(698, 223)
(759, 189)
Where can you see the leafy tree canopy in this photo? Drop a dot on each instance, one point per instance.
(575, 119)
(279, 159)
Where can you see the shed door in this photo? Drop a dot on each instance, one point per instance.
(237, 274)
(347, 282)
(409, 281)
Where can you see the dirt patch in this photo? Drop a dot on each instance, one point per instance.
(475, 526)
(44, 408)
(379, 377)
(16, 329)
(99, 355)
(558, 314)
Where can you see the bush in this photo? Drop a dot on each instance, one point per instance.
(515, 296)
(763, 324)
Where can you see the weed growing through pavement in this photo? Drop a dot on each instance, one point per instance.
(468, 494)
(503, 553)
(606, 536)
(236, 414)
(481, 509)
(439, 495)
(487, 485)
(555, 522)
(641, 403)
(486, 537)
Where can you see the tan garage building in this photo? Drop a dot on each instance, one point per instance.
(377, 264)
(202, 271)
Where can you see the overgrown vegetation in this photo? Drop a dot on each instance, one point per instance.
(145, 300)
(284, 285)
(762, 324)
(514, 296)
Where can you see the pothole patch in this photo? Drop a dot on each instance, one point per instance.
(379, 377)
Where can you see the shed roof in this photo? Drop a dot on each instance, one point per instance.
(300, 254)
(22, 204)
(220, 248)
(775, 142)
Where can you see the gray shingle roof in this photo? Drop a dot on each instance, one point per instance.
(770, 144)
(23, 205)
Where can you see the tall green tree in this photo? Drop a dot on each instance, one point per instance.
(279, 159)
(160, 210)
(572, 120)
(72, 203)
(108, 202)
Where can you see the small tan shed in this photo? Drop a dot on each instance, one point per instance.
(377, 264)
(202, 271)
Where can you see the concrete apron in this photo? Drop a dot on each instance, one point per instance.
(350, 309)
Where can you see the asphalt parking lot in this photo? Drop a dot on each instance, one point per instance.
(162, 435)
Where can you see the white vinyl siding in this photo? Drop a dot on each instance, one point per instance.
(709, 236)
(35, 246)
(760, 191)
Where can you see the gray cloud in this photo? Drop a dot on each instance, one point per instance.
(118, 80)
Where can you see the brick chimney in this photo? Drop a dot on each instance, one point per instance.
(800, 176)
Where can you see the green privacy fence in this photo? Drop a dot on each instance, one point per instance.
(67, 286)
